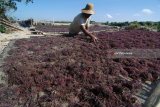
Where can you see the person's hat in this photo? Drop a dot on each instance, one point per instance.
(88, 9)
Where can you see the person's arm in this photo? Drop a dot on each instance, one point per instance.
(87, 27)
(88, 24)
(86, 32)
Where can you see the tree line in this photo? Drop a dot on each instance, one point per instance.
(136, 24)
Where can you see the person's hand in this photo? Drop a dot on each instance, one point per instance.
(95, 39)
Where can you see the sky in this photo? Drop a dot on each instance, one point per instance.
(106, 10)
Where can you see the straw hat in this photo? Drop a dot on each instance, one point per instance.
(88, 9)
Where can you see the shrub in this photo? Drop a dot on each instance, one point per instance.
(133, 26)
(2, 29)
(158, 27)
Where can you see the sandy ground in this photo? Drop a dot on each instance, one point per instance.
(6, 38)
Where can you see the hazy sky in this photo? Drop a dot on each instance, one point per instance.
(106, 10)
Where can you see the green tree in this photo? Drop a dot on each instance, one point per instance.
(142, 23)
(149, 24)
(6, 5)
(106, 23)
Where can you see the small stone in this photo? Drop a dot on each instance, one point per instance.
(65, 104)
(41, 94)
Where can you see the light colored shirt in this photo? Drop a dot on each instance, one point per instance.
(77, 22)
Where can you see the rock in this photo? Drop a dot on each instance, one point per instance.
(42, 94)
(65, 104)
